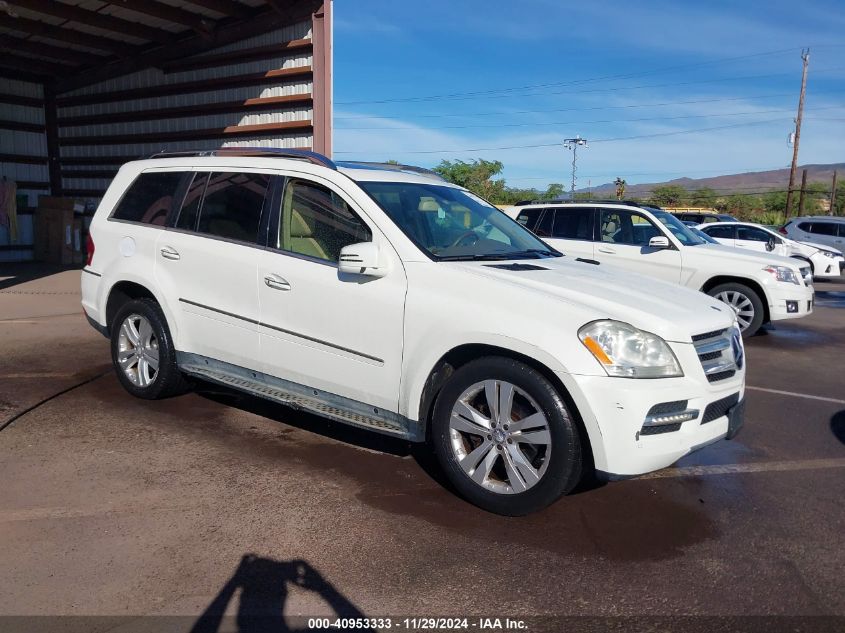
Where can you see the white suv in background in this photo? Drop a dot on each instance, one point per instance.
(826, 262)
(383, 297)
(648, 240)
(822, 229)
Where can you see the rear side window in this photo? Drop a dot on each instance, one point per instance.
(752, 234)
(720, 232)
(823, 228)
(544, 228)
(232, 205)
(191, 204)
(149, 199)
(528, 218)
(573, 224)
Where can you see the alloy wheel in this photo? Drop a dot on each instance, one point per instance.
(741, 305)
(138, 350)
(500, 437)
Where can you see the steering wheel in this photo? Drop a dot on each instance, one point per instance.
(464, 236)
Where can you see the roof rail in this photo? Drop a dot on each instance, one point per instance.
(629, 203)
(361, 164)
(261, 152)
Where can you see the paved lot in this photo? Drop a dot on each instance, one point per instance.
(115, 506)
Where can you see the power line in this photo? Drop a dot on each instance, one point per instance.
(570, 82)
(601, 140)
(545, 123)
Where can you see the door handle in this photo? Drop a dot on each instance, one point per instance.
(169, 253)
(604, 249)
(276, 283)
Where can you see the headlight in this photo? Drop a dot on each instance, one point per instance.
(783, 273)
(627, 352)
(829, 254)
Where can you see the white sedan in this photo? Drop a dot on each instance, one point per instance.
(826, 261)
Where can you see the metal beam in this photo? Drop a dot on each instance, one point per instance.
(68, 35)
(33, 66)
(161, 11)
(241, 55)
(93, 18)
(40, 49)
(226, 7)
(54, 166)
(178, 49)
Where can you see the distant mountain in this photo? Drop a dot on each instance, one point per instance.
(750, 182)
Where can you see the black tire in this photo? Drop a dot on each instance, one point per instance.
(752, 296)
(564, 458)
(168, 380)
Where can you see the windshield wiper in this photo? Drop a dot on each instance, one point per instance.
(477, 258)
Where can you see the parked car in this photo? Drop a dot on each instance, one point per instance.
(702, 218)
(386, 298)
(651, 241)
(825, 262)
(823, 229)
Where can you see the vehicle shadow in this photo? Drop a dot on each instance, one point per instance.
(264, 585)
(23, 272)
(837, 425)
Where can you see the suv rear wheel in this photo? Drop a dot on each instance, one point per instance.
(505, 438)
(142, 351)
(744, 302)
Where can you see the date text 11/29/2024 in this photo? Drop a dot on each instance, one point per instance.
(418, 624)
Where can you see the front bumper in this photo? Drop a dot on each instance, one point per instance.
(788, 301)
(614, 410)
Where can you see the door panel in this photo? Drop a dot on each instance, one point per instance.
(623, 241)
(207, 268)
(334, 332)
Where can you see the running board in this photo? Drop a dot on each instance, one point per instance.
(298, 396)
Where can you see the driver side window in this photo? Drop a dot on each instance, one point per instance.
(316, 222)
(626, 227)
(752, 234)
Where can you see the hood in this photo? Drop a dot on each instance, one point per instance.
(822, 247)
(671, 311)
(750, 257)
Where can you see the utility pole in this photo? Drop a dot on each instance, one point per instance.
(805, 58)
(832, 210)
(803, 192)
(573, 143)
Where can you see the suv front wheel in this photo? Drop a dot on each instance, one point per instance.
(142, 351)
(505, 438)
(744, 302)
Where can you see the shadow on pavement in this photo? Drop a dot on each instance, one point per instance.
(264, 586)
(21, 273)
(837, 425)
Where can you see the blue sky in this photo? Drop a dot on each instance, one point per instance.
(414, 78)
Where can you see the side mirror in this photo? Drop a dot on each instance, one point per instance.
(659, 241)
(770, 245)
(362, 259)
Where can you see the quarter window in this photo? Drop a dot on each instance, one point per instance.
(149, 199)
(317, 222)
(231, 207)
(529, 217)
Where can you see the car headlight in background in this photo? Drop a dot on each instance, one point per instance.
(783, 273)
(828, 254)
(627, 352)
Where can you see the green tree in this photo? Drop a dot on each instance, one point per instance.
(775, 202)
(554, 191)
(669, 195)
(476, 176)
(703, 197)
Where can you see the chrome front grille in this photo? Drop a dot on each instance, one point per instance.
(720, 352)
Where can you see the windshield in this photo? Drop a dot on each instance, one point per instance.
(679, 229)
(454, 224)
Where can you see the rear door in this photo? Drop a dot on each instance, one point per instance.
(722, 233)
(623, 242)
(206, 264)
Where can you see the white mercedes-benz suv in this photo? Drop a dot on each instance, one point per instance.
(383, 297)
(639, 238)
